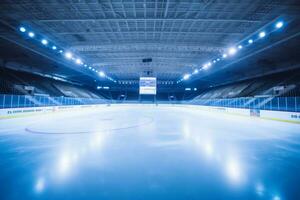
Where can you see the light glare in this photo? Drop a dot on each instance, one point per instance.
(102, 74)
(279, 24)
(233, 170)
(232, 51)
(31, 34)
(262, 34)
(40, 185)
(205, 66)
(22, 29)
(186, 76)
(44, 41)
(68, 55)
(78, 61)
(276, 197)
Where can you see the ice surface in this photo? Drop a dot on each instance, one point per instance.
(148, 152)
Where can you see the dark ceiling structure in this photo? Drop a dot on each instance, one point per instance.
(178, 36)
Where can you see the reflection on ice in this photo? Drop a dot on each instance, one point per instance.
(233, 170)
(259, 189)
(70, 157)
(186, 131)
(64, 164)
(96, 141)
(40, 185)
(208, 148)
(276, 197)
(74, 157)
(220, 154)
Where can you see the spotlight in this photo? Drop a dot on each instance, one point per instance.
(262, 34)
(60, 51)
(22, 29)
(214, 61)
(250, 41)
(186, 76)
(85, 65)
(209, 64)
(90, 67)
(240, 46)
(44, 41)
(78, 61)
(224, 55)
(196, 71)
(102, 74)
(68, 55)
(218, 59)
(205, 66)
(232, 51)
(31, 34)
(279, 24)
(54, 47)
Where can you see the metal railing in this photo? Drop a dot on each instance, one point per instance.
(291, 104)
(21, 101)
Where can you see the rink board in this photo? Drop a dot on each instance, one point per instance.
(293, 117)
(29, 111)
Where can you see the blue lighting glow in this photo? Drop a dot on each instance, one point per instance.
(101, 74)
(279, 24)
(31, 34)
(205, 66)
(262, 34)
(68, 55)
(276, 197)
(186, 76)
(44, 41)
(40, 185)
(232, 51)
(78, 61)
(22, 29)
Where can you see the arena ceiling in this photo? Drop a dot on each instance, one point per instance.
(115, 36)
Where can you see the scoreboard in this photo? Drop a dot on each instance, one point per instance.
(148, 85)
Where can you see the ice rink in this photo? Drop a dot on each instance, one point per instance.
(148, 152)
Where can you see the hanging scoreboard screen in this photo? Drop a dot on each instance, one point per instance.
(148, 85)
